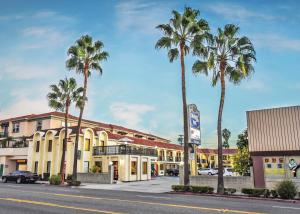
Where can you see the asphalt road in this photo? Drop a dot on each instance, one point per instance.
(41, 198)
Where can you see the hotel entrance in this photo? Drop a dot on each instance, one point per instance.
(21, 165)
(116, 172)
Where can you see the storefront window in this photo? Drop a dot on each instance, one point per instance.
(279, 166)
(133, 168)
(269, 165)
(274, 160)
(281, 160)
(145, 168)
(266, 160)
(161, 167)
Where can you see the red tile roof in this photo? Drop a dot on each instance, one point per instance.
(100, 124)
(146, 142)
(215, 151)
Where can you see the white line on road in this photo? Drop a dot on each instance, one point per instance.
(149, 196)
(293, 208)
(8, 185)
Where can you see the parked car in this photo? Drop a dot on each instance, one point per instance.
(207, 171)
(228, 172)
(172, 172)
(20, 177)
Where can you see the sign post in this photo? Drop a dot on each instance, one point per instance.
(194, 136)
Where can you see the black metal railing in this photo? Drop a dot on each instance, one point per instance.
(177, 159)
(123, 150)
(3, 134)
(161, 158)
(170, 158)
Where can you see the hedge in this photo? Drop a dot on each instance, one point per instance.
(196, 189)
(229, 191)
(256, 192)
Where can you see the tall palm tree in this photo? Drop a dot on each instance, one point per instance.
(84, 57)
(60, 98)
(182, 31)
(231, 57)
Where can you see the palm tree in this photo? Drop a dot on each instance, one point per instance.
(60, 98)
(226, 135)
(84, 56)
(231, 57)
(180, 34)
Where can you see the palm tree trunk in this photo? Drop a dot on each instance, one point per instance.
(62, 163)
(220, 146)
(74, 176)
(186, 178)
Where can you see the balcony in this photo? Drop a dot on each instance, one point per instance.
(123, 150)
(177, 159)
(170, 158)
(3, 134)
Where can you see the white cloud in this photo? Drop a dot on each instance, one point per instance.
(130, 114)
(276, 42)
(18, 69)
(140, 16)
(29, 100)
(41, 37)
(254, 85)
(234, 11)
(37, 15)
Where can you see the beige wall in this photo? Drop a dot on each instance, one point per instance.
(275, 129)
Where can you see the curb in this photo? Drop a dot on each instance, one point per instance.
(297, 201)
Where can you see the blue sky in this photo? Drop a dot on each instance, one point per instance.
(139, 88)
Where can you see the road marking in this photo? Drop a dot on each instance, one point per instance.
(156, 203)
(57, 205)
(149, 203)
(13, 186)
(293, 208)
(149, 196)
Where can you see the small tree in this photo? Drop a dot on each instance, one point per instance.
(242, 161)
(242, 140)
(226, 135)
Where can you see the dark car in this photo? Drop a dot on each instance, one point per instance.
(172, 172)
(21, 177)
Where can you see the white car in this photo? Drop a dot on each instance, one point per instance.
(207, 171)
(228, 172)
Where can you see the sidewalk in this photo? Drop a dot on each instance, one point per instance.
(156, 185)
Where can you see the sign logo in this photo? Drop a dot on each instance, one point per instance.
(292, 164)
(194, 125)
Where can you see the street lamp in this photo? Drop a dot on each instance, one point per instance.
(180, 139)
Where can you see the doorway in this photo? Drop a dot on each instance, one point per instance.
(116, 172)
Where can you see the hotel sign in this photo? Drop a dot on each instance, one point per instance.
(194, 131)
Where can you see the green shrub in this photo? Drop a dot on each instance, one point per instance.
(257, 192)
(210, 190)
(286, 189)
(274, 193)
(247, 191)
(55, 180)
(96, 169)
(202, 189)
(229, 191)
(196, 189)
(181, 188)
(73, 183)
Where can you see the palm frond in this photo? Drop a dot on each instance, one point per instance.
(173, 54)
